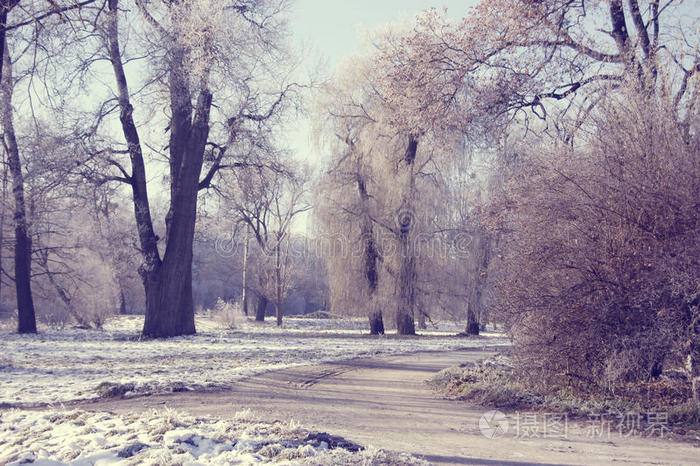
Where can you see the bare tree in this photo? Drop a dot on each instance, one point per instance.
(35, 14)
(46, 18)
(267, 201)
(23, 243)
(192, 56)
(397, 149)
(244, 285)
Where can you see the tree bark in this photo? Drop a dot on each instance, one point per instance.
(405, 313)
(122, 301)
(278, 282)
(170, 308)
(244, 298)
(376, 320)
(475, 302)
(2, 218)
(474, 307)
(5, 7)
(23, 242)
(4, 10)
(260, 309)
(371, 256)
(472, 322)
(376, 323)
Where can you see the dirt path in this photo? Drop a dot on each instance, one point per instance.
(384, 402)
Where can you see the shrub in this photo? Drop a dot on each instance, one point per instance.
(499, 387)
(229, 315)
(56, 317)
(600, 276)
(687, 413)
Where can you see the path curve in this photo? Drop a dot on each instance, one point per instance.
(384, 402)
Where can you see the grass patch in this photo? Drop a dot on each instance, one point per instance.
(499, 387)
(687, 414)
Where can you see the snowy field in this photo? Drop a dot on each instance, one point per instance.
(168, 437)
(63, 365)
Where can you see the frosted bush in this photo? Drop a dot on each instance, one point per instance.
(228, 314)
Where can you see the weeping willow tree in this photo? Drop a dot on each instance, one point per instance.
(383, 188)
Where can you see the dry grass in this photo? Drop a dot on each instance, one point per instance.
(500, 387)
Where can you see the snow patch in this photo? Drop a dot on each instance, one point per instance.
(168, 437)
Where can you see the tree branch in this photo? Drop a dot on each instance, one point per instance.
(55, 10)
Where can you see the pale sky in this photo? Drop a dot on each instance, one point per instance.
(332, 26)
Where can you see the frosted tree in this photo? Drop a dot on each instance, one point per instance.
(13, 16)
(385, 177)
(547, 64)
(201, 49)
(607, 79)
(348, 208)
(23, 243)
(267, 200)
(13, 19)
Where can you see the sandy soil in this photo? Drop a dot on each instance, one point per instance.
(383, 401)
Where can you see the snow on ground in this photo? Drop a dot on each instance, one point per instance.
(62, 365)
(168, 437)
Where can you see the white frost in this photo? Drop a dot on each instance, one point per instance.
(61, 365)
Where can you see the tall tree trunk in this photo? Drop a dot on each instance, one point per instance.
(474, 304)
(244, 298)
(2, 218)
(376, 320)
(5, 7)
(405, 313)
(472, 321)
(278, 281)
(23, 242)
(170, 309)
(371, 256)
(122, 301)
(376, 323)
(172, 313)
(4, 10)
(167, 282)
(260, 309)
